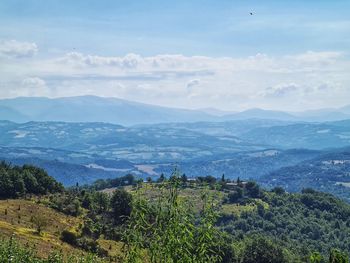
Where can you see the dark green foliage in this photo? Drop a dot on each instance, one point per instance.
(16, 181)
(121, 203)
(259, 249)
(67, 203)
(253, 190)
(337, 256)
(278, 190)
(100, 184)
(303, 223)
(236, 195)
(207, 179)
(183, 178)
(84, 242)
(161, 178)
(102, 201)
(69, 237)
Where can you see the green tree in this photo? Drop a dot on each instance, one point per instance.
(337, 256)
(102, 201)
(223, 178)
(235, 195)
(184, 178)
(121, 203)
(19, 188)
(5, 184)
(316, 257)
(40, 223)
(161, 178)
(259, 249)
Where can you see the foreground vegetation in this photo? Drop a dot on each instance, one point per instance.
(174, 220)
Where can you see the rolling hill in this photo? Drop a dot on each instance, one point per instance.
(303, 135)
(328, 172)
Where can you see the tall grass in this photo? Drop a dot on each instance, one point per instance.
(167, 229)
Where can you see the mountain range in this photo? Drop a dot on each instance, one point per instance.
(124, 112)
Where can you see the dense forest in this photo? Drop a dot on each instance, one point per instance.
(176, 219)
(17, 181)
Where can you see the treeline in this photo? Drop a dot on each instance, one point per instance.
(101, 184)
(18, 181)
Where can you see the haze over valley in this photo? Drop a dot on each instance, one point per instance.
(252, 145)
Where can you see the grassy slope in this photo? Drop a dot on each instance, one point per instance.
(194, 195)
(17, 222)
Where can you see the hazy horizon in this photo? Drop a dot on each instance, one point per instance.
(291, 56)
(216, 111)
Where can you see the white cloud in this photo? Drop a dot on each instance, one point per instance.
(33, 86)
(306, 62)
(80, 60)
(195, 81)
(16, 49)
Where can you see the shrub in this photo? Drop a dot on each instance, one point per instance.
(69, 237)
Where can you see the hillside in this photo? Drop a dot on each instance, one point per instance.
(303, 135)
(328, 172)
(16, 219)
(246, 165)
(213, 220)
(310, 221)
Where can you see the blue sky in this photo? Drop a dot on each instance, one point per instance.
(310, 35)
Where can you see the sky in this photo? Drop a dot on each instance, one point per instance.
(286, 55)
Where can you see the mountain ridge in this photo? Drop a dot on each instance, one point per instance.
(91, 108)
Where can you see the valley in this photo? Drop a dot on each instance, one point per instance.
(266, 151)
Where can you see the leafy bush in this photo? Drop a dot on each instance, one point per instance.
(121, 202)
(69, 237)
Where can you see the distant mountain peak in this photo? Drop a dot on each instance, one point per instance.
(91, 108)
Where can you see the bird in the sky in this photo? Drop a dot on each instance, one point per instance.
(251, 13)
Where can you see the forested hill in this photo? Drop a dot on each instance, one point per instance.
(327, 172)
(203, 219)
(17, 181)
